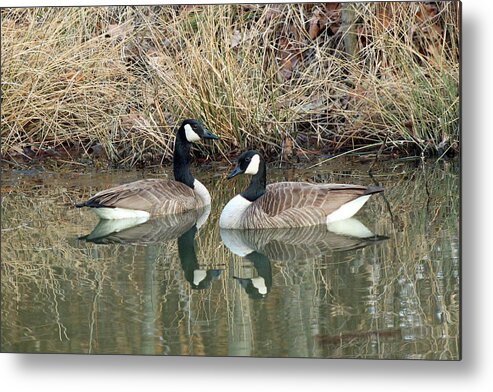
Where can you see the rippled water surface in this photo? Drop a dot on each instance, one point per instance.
(181, 286)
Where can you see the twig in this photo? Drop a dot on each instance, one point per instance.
(343, 154)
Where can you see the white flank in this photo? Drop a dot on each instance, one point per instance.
(348, 210)
(233, 211)
(253, 165)
(233, 239)
(202, 192)
(120, 213)
(198, 276)
(259, 284)
(190, 134)
(351, 227)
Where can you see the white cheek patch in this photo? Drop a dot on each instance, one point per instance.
(259, 284)
(198, 276)
(190, 134)
(253, 166)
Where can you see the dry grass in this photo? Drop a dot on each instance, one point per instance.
(274, 77)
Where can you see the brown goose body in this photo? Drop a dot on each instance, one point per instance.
(289, 204)
(156, 197)
(299, 204)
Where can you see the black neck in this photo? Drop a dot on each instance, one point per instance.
(186, 252)
(262, 264)
(181, 159)
(257, 184)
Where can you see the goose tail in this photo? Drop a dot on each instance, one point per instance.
(374, 189)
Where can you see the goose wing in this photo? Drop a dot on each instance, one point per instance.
(152, 195)
(294, 204)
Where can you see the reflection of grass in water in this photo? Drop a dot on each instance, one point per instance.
(409, 280)
(44, 263)
(396, 299)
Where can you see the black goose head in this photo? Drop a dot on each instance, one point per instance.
(259, 287)
(189, 132)
(249, 162)
(193, 130)
(252, 163)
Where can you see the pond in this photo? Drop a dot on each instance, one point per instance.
(184, 287)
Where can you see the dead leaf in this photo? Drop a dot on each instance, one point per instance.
(272, 11)
(287, 57)
(189, 8)
(235, 39)
(119, 31)
(323, 16)
(317, 23)
(72, 76)
(315, 105)
(287, 148)
(384, 15)
(131, 121)
(333, 14)
(155, 58)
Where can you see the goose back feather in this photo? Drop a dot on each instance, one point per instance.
(154, 196)
(298, 204)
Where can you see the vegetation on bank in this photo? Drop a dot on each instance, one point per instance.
(288, 79)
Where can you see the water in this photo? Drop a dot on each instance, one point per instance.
(167, 287)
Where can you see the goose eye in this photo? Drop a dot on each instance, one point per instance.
(247, 160)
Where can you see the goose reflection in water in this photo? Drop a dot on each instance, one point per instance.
(145, 231)
(260, 247)
(197, 277)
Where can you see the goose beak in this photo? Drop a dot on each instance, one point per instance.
(243, 282)
(209, 135)
(237, 170)
(215, 273)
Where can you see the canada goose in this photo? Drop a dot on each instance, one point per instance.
(140, 231)
(293, 244)
(154, 197)
(288, 204)
(301, 243)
